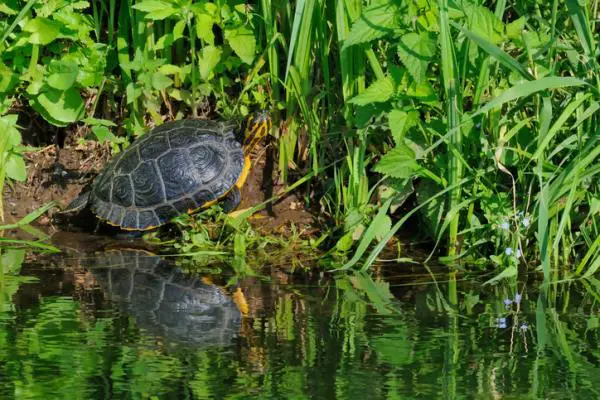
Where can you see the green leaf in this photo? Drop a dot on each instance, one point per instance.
(209, 59)
(98, 122)
(152, 5)
(15, 167)
(204, 25)
(160, 81)
(178, 30)
(380, 91)
(58, 107)
(156, 9)
(400, 122)
(375, 22)
(513, 29)
(43, 30)
(484, 23)
(206, 17)
(495, 52)
(400, 162)
(9, 7)
(62, 74)
(8, 79)
(416, 50)
(243, 43)
(422, 91)
(102, 133)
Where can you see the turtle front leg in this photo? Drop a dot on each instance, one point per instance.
(232, 200)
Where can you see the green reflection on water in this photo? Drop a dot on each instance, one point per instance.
(351, 336)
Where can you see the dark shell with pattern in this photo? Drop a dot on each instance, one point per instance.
(174, 169)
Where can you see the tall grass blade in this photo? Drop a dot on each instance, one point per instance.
(581, 22)
(495, 52)
(453, 108)
(528, 88)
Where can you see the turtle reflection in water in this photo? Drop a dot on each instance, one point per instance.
(165, 301)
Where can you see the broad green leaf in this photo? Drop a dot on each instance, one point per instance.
(243, 43)
(98, 122)
(209, 59)
(416, 50)
(8, 79)
(400, 162)
(162, 14)
(514, 29)
(102, 133)
(204, 25)
(400, 122)
(169, 69)
(58, 107)
(528, 88)
(380, 91)
(422, 91)
(152, 5)
(43, 30)
(375, 22)
(62, 74)
(160, 81)
(156, 9)
(485, 23)
(15, 167)
(7, 127)
(178, 30)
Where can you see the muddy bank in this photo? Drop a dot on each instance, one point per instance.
(59, 174)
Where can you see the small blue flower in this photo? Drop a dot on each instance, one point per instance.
(507, 302)
(524, 327)
(501, 322)
(505, 225)
(518, 298)
(508, 251)
(526, 222)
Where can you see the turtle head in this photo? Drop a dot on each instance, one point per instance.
(256, 128)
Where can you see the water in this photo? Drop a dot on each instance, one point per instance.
(128, 325)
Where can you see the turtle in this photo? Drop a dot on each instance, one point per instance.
(176, 168)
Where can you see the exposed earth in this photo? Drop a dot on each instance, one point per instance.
(60, 176)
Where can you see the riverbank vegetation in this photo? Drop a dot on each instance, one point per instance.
(475, 121)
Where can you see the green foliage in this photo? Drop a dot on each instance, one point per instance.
(446, 104)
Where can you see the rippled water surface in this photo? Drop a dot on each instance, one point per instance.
(128, 324)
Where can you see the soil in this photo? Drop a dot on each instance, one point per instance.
(60, 175)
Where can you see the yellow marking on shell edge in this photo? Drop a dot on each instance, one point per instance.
(245, 171)
(127, 229)
(207, 280)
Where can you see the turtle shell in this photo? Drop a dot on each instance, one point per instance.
(174, 169)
